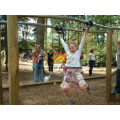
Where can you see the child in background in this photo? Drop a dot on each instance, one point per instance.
(73, 78)
(50, 61)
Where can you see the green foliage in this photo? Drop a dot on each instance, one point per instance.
(97, 41)
(26, 46)
(4, 34)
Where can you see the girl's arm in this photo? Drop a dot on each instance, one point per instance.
(82, 41)
(63, 43)
(115, 42)
(85, 33)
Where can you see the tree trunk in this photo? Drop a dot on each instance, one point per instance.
(46, 32)
(6, 59)
(40, 33)
(1, 96)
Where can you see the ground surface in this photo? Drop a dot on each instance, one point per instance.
(53, 95)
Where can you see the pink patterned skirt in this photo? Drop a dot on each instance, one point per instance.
(71, 85)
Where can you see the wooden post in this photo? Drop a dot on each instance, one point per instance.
(1, 99)
(13, 63)
(20, 56)
(54, 83)
(108, 65)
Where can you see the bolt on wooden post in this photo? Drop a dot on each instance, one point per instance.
(108, 65)
(1, 98)
(13, 63)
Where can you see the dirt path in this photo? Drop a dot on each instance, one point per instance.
(26, 73)
(53, 95)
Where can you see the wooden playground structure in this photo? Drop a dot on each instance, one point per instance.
(13, 62)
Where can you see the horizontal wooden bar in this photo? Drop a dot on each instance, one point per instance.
(50, 26)
(57, 81)
(68, 18)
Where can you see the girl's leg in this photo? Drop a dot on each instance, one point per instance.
(88, 89)
(67, 92)
(70, 100)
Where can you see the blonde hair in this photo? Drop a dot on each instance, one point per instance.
(73, 43)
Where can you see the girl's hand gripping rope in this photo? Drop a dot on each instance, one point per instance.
(88, 25)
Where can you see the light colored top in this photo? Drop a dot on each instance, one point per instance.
(73, 59)
(118, 58)
(92, 56)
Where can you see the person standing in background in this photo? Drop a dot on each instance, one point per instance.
(117, 45)
(38, 57)
(91, 61)
(50, 61)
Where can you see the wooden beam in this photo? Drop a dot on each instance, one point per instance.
(13, 64)
(52, 82)
(68, 18)
(108, 65)
(50, 26)
(1, 98)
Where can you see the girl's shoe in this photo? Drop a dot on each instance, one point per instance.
(89, 89)
(70, 102)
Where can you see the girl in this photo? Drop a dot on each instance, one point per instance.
(73, 79)
(117, 45)
(91, 61)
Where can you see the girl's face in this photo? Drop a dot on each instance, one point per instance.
(72, 48)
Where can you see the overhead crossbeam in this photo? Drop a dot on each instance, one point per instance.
(68, 18)
(50, 26)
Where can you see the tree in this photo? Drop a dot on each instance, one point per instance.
(4, 41)
(40, 33)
